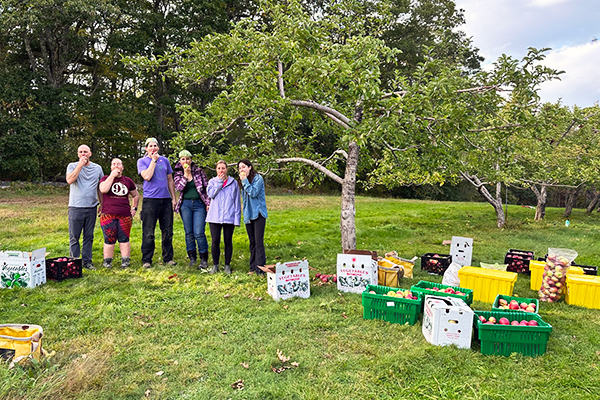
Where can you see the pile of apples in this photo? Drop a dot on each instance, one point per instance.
(514, 305)
(504, 321)
(71, 269)
(436, 266)
(518, 261)
(554, 278)
(401, 294)
(326, 278)
(446, 290)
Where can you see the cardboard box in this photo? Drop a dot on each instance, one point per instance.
(447, 321)
(461, 250)
(356, 271)
(289, 279)
(22, 269)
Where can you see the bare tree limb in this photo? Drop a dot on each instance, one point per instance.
(313, 164)
(491, 128)
(280, 78)
(324, 109)
(338, 151)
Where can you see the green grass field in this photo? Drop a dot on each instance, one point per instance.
(135, 334)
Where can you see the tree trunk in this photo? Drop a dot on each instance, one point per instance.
(571, 201)
(541, 195)
(495, 201)
(348, 213)
(592, 204)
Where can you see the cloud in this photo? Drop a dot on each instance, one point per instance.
(580, 84)
(547, 3)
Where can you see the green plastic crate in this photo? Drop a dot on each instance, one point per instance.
(519, 299)
(506, 339)
(422, 285)
(391, 309)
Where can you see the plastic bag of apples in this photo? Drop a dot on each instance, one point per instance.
(555, 274)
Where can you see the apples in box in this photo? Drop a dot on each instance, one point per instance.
(22, 269)
(289, 279)
(356, 271)
(447, 321)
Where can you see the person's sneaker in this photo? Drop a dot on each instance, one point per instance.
(89, 266)
(147, 265)
(203, 264)
(228, 269)
(125, 261)
(107, 263)
(192, 262)
(215, 269)
(171, 263)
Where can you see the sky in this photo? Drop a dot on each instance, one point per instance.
(570, 27)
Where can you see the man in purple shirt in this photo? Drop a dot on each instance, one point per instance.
(158, 203)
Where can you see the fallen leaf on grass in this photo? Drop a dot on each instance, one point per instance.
(173, 276)
(238, 385)
(224, 332)
(160, 373)
(227, 296)
(344, 315)
(282, 356)
(327, 355)
(295, 364)
(243, 364)
(23, 305)
(175, 362)
(147, 393)
(285, 307)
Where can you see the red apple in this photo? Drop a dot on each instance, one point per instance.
(514, 323)
(492, 319)
(533, 322)
(504, 321)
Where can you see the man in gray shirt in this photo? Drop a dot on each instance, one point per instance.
(83, 178)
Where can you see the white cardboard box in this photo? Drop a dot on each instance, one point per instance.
(22, 269)
(461, 250)
(355, 272)
(289, 279)
(447, 321)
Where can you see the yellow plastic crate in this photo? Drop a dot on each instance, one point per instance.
(575, 271)
(537, 270)
(487, 284)
(583, 290)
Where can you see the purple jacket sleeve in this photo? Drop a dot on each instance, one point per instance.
(238, 205)
(179, 180)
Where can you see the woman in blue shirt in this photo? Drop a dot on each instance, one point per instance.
(255, 214)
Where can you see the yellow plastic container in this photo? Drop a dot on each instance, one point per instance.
(583, 290)
(487, 284)
(575, 271)
(537, 270)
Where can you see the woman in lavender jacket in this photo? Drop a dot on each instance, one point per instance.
(191, 181)
(224, 214)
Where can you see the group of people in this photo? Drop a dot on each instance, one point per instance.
(184, 189)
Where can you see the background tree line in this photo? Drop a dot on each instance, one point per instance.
(67, 77)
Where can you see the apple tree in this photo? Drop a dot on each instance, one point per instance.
(296, 91)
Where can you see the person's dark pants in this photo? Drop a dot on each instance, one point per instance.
(215, 237)
(154, 210)
(82, 219)
(256, 236)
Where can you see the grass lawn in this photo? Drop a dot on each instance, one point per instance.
(136, 333)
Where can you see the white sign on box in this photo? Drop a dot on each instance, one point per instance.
(462, 250)
(289, 279)
(355, 272)
(447, 321)
(19, 269)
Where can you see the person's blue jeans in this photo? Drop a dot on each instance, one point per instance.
(161, 211)
(193, 215)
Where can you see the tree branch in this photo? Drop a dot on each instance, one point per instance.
(491, 128)
(345, 121)
(280, 79)
(313, 164)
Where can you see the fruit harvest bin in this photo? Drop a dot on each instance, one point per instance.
(486, 283)
(537, 271)
(423, 286)
(496, 305)
(506, 339)
(391, 309)
(518, 260)
(583, 290)
(67, 268)
(435, 263)
(587, 269)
